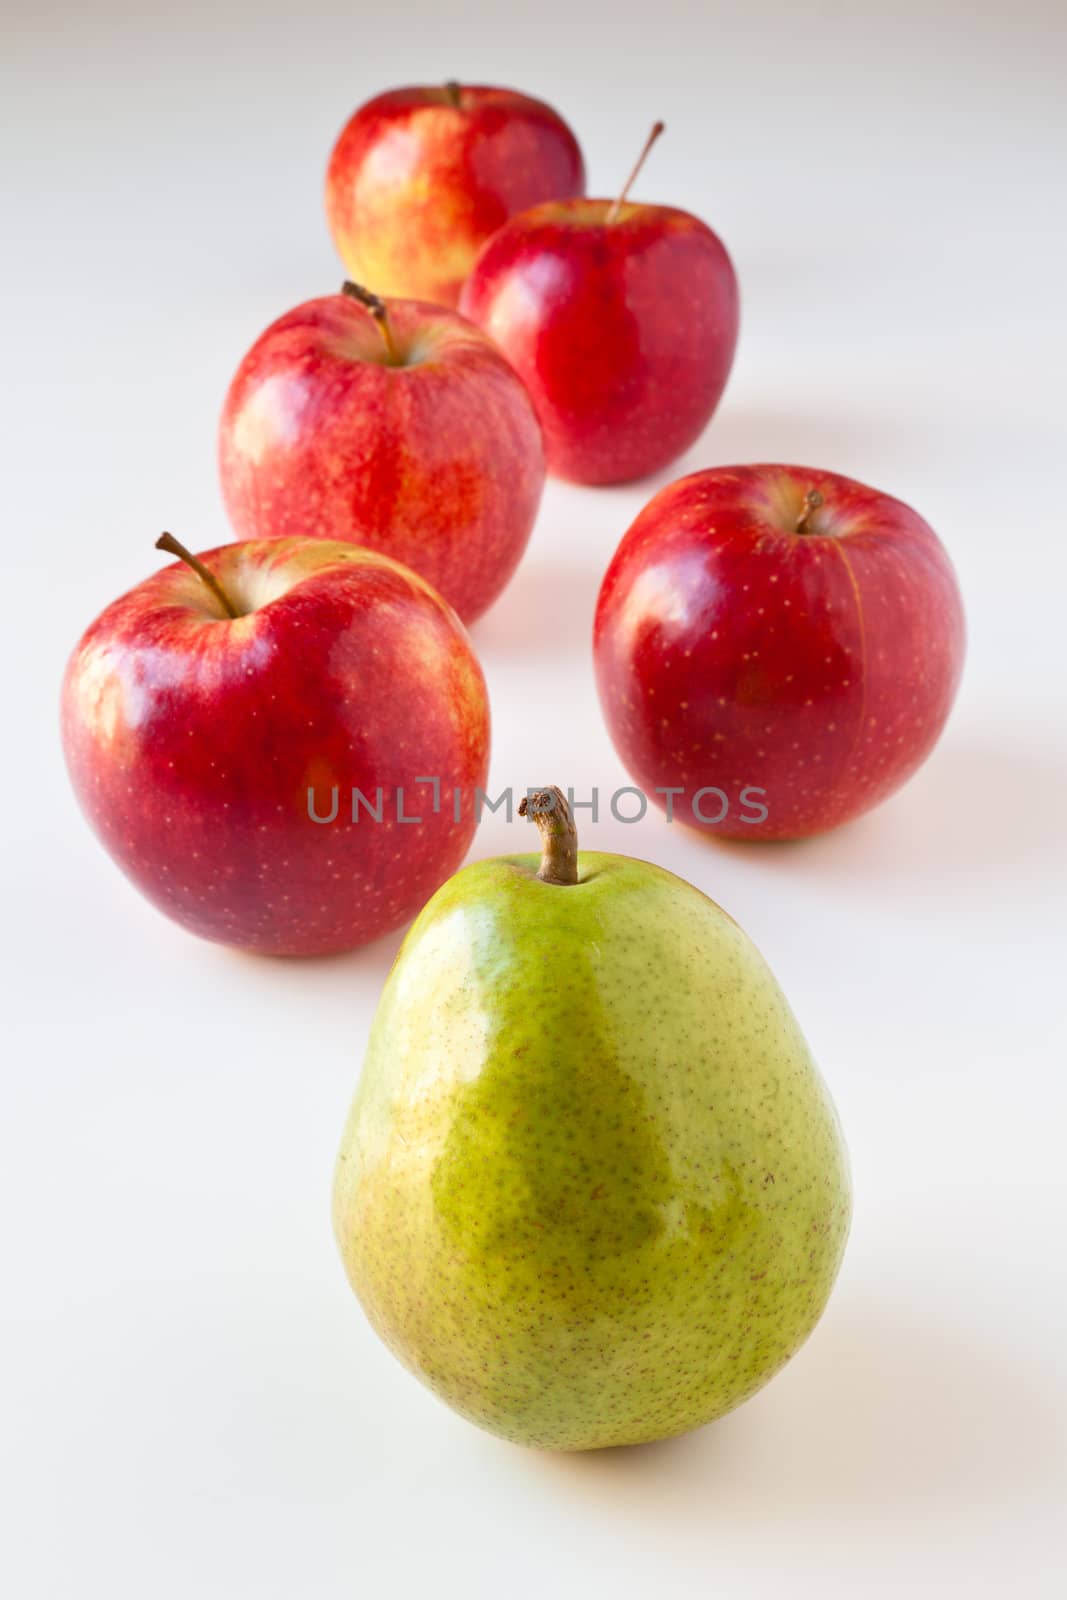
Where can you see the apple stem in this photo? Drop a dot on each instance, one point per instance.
(173, 547)
(452, 94)
(379, 311)
(559, 836)
(617, 205)
(812, 502)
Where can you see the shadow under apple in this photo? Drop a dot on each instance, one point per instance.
(980, 811)
(851, 443)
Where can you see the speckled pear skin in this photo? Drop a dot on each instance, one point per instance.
(592, 1190)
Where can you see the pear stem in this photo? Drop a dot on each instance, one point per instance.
(174, 547)
(559, 836)
(616, 205)
(379, 311)
(812, 502)
(452, 94)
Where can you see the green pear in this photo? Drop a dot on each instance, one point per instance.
(592, 1189)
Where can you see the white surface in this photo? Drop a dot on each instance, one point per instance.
(191, 1401)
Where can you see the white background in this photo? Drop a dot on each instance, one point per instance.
(191, 1401)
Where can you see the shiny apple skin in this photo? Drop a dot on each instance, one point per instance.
(416, 184)
(623, 332)
(437, 462)
(192, 739)
(731, 651)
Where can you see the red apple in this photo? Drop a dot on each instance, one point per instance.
(391, 423)
(786, 640)
(621, 320)
(207, 748)
(421, 177)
